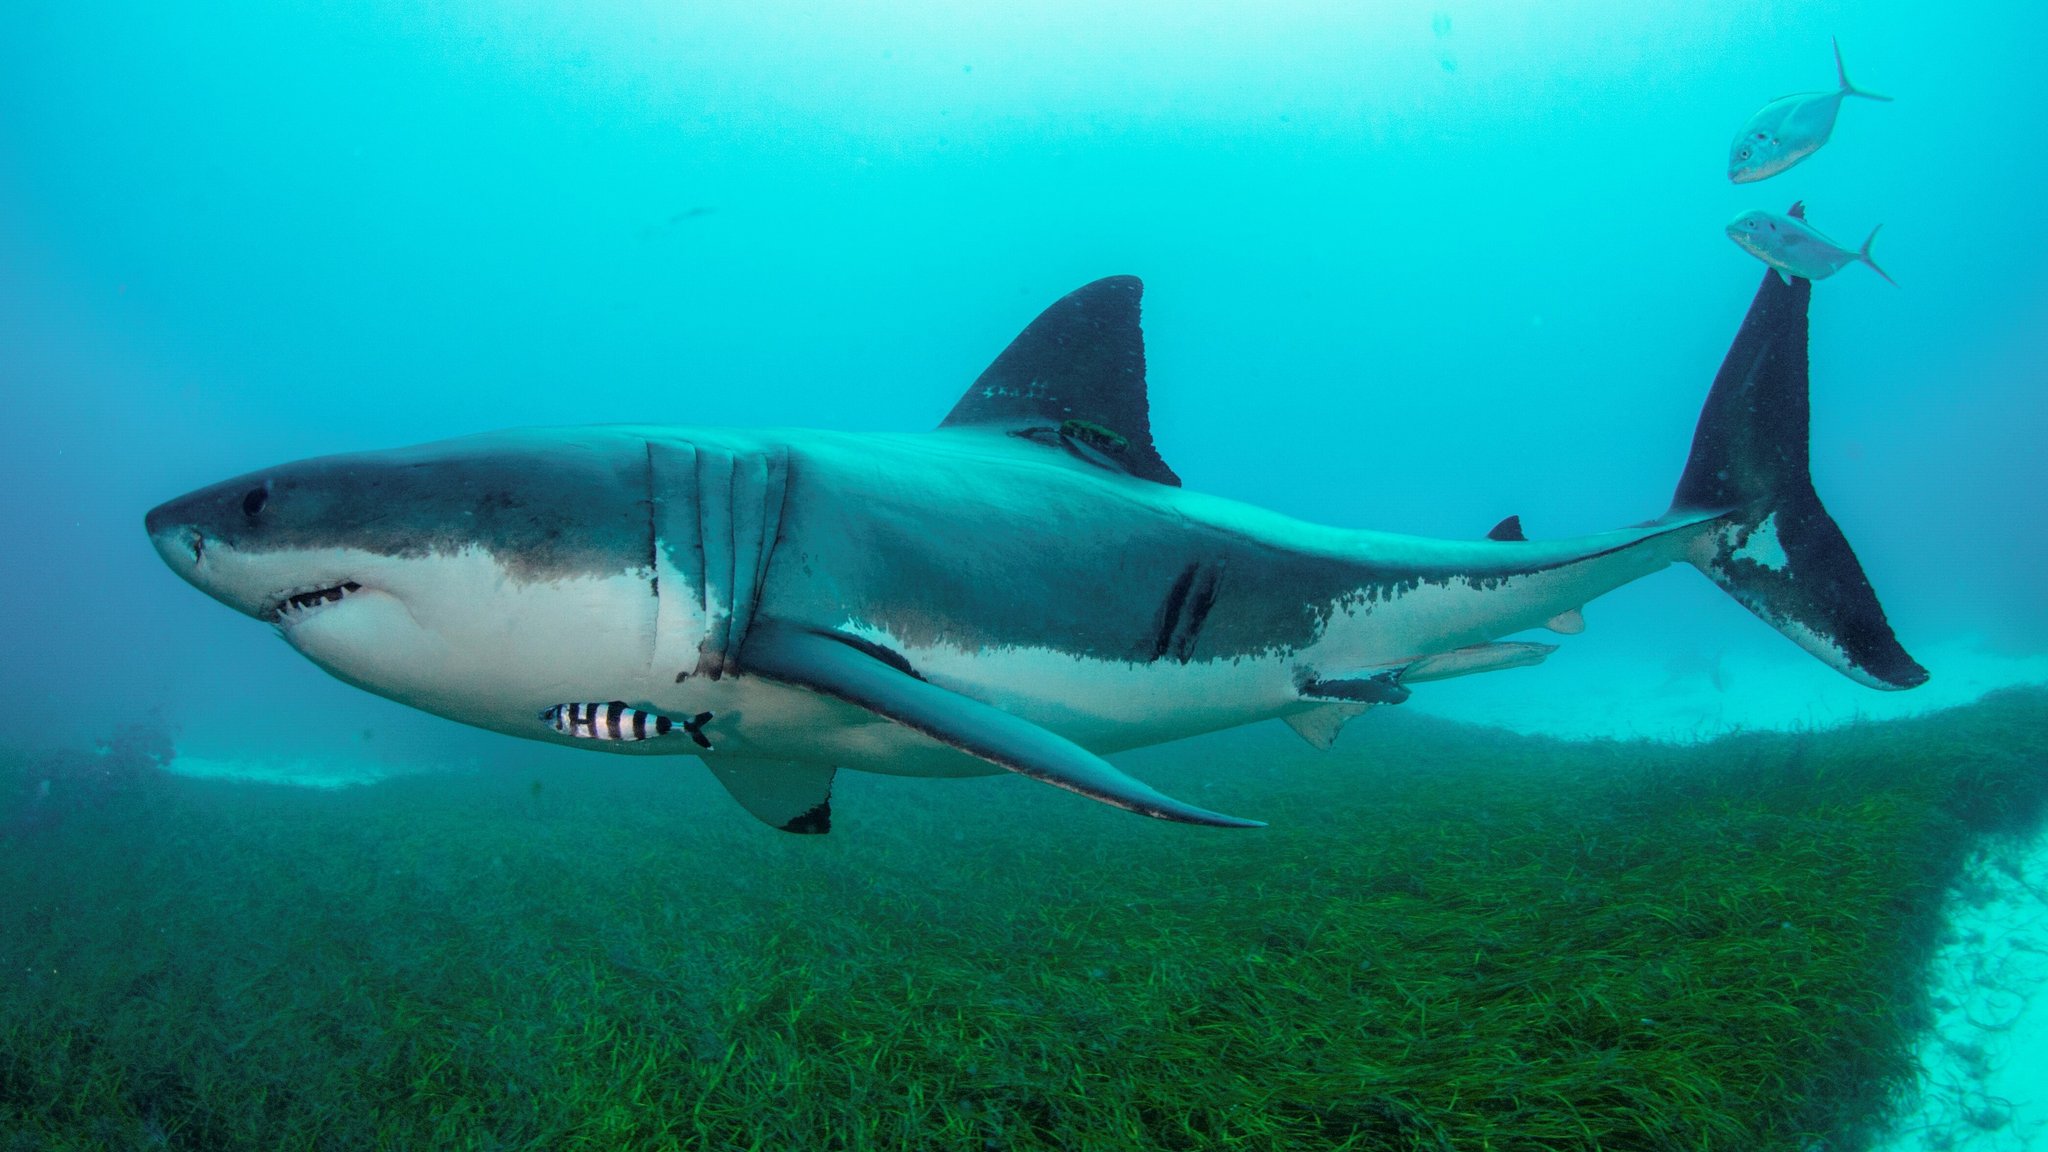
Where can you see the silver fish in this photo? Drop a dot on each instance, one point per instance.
(1792, 246)
(1789, 129)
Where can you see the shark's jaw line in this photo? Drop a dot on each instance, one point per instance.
(295, 605)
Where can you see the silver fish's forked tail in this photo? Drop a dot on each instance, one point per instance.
(1774, 547)
(1863, 254)
(1842, 73)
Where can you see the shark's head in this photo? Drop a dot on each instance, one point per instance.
(483, 579)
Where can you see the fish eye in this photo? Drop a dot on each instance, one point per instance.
(254, 501)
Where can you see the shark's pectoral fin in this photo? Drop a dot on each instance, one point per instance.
(825, 663)
(786, 794)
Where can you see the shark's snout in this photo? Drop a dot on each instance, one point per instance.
(176, 535)
(187, 532)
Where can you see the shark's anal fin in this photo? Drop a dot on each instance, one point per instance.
(821, 662)
(786, 794)
(1570, 622)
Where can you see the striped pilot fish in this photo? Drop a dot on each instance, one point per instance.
(616, 721)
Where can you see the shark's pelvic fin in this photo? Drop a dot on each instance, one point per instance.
(823, 663)
(1569, 622)
(1075, 380)
(1348, 698)
(1321, 725)
(786, 794)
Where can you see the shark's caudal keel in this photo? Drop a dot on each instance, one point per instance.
(1021, 590)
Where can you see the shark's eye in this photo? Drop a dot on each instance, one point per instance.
(254, 501)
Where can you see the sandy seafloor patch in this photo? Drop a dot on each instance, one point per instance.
(1985, 1066)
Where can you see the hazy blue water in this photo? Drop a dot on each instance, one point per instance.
(1410, 266)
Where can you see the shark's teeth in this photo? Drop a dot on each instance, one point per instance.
(293, 605)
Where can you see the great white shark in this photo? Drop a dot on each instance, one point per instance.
(1023, 589)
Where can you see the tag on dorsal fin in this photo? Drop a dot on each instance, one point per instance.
(1569, 623)
(1075, 378)
(786, 794)
(1508, 529)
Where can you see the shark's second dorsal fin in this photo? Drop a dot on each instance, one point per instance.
(1075, 378)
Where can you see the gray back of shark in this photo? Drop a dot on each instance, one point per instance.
(1023, 589)
(1789, 129)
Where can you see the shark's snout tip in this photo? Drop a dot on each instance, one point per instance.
(157, 519)
(174, 536)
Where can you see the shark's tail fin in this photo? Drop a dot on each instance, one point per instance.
(1842, 73)
(1774, 547)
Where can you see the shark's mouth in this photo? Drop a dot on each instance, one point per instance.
(295, 606)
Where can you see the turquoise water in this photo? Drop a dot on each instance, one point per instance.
(1408, 266)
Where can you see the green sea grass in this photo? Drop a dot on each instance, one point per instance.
(1449, 939)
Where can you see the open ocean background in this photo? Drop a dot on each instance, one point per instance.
(1409, 266)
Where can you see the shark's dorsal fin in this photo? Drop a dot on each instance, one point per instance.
(1508, 529)
(1075, 379)
(786, 794)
